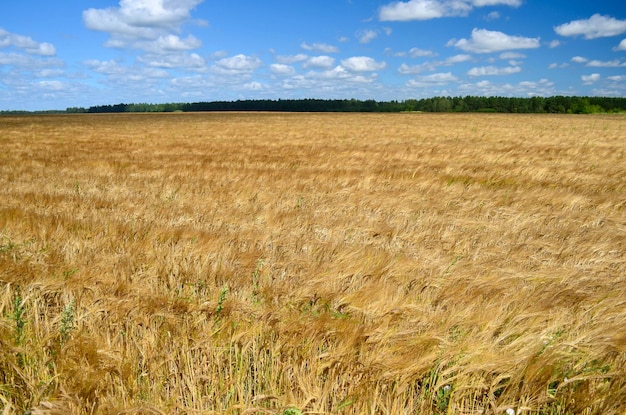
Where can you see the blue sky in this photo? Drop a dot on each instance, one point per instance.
(58, 54)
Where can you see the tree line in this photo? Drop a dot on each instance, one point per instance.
(555, 104)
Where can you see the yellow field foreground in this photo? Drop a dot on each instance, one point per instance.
(313, 263)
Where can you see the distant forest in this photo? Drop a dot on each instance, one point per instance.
(555, 104)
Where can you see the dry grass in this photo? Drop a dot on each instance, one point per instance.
(301, 263)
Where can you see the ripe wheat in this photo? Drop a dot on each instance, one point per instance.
(312, 263)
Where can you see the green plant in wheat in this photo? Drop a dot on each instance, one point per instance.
(67, 322)
(18, 316)
(220, 304)
(255, 281)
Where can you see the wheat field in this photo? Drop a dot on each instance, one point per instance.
(250, 263)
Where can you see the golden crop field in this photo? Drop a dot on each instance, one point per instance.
(288, 264)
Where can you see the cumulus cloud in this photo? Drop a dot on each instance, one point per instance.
(110, 67)
(417, 52)
(338, 73)
(621, 46)
(422, 10)
(120, 74)
(594, 27)
(482, 3)
(174, 60)
(413, 53)
(405, 69)
(52, 85)
(237, 65)
(492, 16)
(282, 69)
(291, 59)
(320, 47)
(362, 64)
(590, 79)
(579, 59)
(137, 22)
(366, 36)
(325, 62)
(493, 71)
(26, 44)
(436, 79)
(433, 9)
(512, 55)
(558, 65)
(554, 44)
(616, 63)
(487, 41)
(542, 87)
(165, 44)
(253, 86)
(173, 43)
(455, 59)
(140, 13)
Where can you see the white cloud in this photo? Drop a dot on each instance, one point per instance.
(120, 74)
(362, 64)
(558, 65)
(324, 62)
(320, 47)
(482, 3)
(170, 43)
(366, 36)
(432, 9)
(237, 65)
(436, 79)
(136, 22)
(542, 87)
(617, 78)
(26, 44)
(174, 60)
(253, 86)
(579, 59)
(109, 67)
(590, 79)
(554, 44)
(493, 71)
(49, 73)
(52, 85)
(621, 46)
(191, 83)
(292, 58)
(339, 73)
(616, 63)
(492, 16)
(282, 69)
(413, 53)
(455, 59)
(487, 41)
(27, 62)
(405, 69)
(594, 27)
(142, 13)
(422, 10)
(416, 53)
(512, 55)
